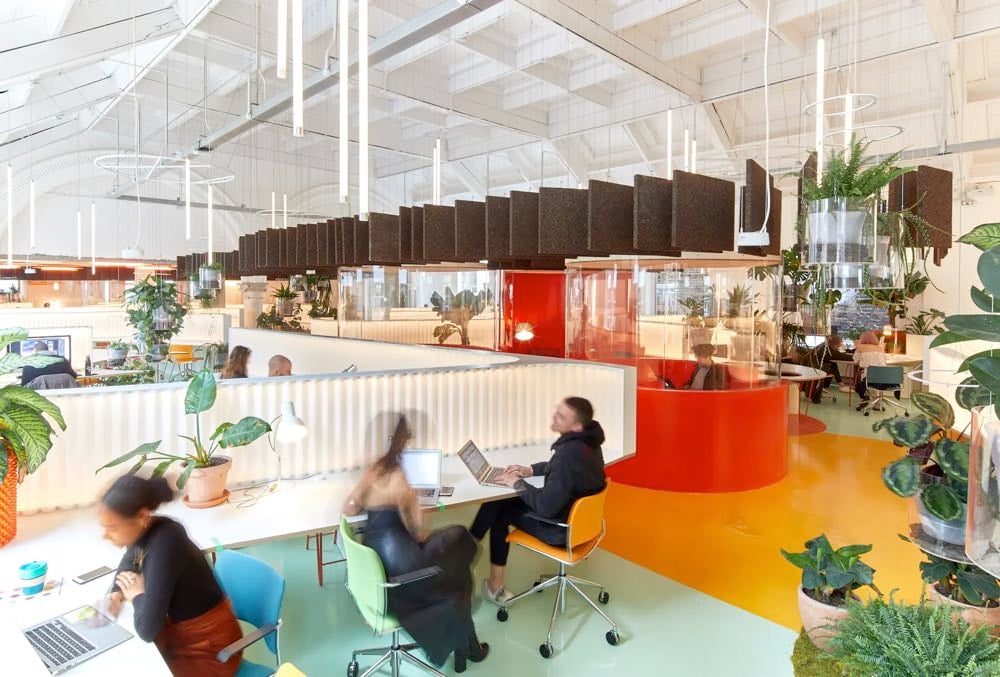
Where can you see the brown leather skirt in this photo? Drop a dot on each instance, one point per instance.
(190, 647)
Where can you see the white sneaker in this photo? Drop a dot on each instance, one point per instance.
(499, 597)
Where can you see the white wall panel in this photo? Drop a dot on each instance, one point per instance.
(107, 323)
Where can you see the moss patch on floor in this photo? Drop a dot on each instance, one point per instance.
(808, 661)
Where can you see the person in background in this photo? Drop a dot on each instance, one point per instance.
(236, 365)
(435, 611)
(279, 365)
(575, 470)
(823, 357)
(869, 352)
(60, 366)
(177, 602)
(708, 375)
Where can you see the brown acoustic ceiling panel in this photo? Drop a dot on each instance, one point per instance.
(244, 254)
(523, 224)
(312, 243)
(753, 205)
(323, 244)
(383, 234)
(301, 245)
(470, 230)
(610, 218)
(291, 247)
(652, 210)
(350, 257)
(417, 234)
(702, 213)
(562, 222)
(341, 238)
(934, 186)
(182, 267)
(362, 243)
(405, 235)
(231, 264)
(439, 233)
(262, 237)
(497, 227)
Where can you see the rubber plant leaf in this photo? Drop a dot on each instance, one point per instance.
(201, 393)
(942, 502)
(935, 406)
(984, 301)
(982, 327)
(953, 457)
(995, 352)
(902, 477)
(948, 337)
(984, 237)
(244, 432)
(986, 371)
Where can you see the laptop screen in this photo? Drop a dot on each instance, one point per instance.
(473, 458)
(422, 467)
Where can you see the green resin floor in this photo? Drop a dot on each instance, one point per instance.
(842, 418)
(666, 628)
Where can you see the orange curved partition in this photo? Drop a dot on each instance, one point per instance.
(708, 441)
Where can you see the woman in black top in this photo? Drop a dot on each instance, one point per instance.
(176, 599)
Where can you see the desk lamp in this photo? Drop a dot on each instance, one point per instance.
(286, 428)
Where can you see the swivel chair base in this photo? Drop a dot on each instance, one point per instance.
(879, 402)
(393, 655)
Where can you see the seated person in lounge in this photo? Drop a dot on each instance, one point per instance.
(279, 365)
(61, 366)
(575, 470)
(236, 365)
(436, 612)
(868, 353)
(708, 375)
(176, 599)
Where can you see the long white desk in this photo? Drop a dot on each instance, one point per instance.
(71, 542)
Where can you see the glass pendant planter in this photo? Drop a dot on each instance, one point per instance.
(840, 231)
(161, 319)
(297, 283)
(210, 276)
(284, 306)
(982, 527)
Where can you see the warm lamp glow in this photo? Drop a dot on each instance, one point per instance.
(524, 332)
(887, 331)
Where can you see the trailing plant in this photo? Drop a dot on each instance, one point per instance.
(270, 319)
(199, 398)
(963, 583)
(896, 300)
(926, 322)
(892, 639)
(141, 303)
(456, 310)
(26, 416)
(934, 451)
(843, 175)
(831, 576)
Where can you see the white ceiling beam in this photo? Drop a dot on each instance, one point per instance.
(643, 11)
(468, 179)
(941, 14)
(788, 35)
(573, 155)
(637, 138)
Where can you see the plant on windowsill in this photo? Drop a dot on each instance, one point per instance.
(456, 311)
(152, 308)
(25, 429)
(829, 579)
(204, 473)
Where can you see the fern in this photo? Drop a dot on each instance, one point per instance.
(843, 176)
(890, 639)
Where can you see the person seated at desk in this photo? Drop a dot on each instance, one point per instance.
(823, 357)
(575, 470)
(436, 611)
(708, 375)
(868, 353)
(236, 364)
(279, 365)
(60, 366)
(177, 601)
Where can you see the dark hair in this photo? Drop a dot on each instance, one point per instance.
(704, 350)
(390, 461)
(236, 365)
(130, 493)
(582, 408)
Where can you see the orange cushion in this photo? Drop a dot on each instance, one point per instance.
(556, 552)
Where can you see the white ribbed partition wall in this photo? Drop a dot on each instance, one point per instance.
(349, 416)
(108, 322)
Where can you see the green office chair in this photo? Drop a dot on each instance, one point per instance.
(367, 583)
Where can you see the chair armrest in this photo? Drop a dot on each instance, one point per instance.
(546, 520)
(412, 576)
(245, 641)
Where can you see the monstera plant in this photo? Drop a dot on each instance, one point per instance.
(456, 310)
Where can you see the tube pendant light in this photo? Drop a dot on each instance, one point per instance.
(93, 238)
(210, 229)
(820, 94)
(344, 11)
(79, 235)
(31, 214)
(363, 108)
(282, 30)
(274, 211)
(848, 120)
(687, 150)
(10, 215)
(670, 144)
(298, 126)
(436, 179)
(284, 210)
(187, 199)
(694, 156)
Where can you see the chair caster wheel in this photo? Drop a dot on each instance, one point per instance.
(613, 637)
(502, 615)
(352, 669)
(866, 413)
(906, 414)
(546, 650)
(603, 597)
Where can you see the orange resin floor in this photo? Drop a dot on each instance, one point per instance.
(728, 545)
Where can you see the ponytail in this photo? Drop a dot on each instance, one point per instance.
(130, 493)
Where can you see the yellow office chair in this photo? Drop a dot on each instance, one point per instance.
(584, 531)
(180, 357)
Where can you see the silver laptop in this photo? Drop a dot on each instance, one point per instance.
(422, 468)
(66, 641)
(480, 468)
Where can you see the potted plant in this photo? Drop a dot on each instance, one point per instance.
(284, 301)
(210, 276)
(891, 638)
(829, 579)
(918, 328)
(117, 352)
(204, 473)
(974, 592)
(457, 310)
(936, 467)
(25, 429)
(153, 310)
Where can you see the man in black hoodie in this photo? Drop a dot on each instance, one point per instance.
(576, 469)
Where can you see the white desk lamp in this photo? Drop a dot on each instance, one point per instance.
(286, 428)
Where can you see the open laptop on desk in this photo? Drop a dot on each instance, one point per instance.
(422, 469)
(480, 468)
(67, 640)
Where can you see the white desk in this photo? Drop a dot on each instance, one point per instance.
(71, 542)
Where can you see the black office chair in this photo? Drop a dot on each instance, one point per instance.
(883, 382)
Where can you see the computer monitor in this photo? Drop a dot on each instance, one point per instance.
(58, 345)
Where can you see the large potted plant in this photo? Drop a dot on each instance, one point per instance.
(829, 579)
(210, 276)
(284, 301)
(975, 593)
(204, 473)
(25, 429)
(456, 310)
(919, 327)
(152, 308)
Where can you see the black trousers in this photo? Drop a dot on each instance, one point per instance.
(497, 517)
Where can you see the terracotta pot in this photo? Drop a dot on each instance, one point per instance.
(973, 615)
(816, 616)
(207, 485)
(8, 501)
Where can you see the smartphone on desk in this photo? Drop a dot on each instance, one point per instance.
(446, 491)
(83, 579)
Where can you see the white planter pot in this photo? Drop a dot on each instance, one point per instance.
(915, 344)
(284, 307)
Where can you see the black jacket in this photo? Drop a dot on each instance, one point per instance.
(29, 374)
(715, 379)
(576, 469)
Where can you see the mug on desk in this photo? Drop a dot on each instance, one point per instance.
(32, 577)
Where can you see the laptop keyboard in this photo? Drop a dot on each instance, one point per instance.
(57, 643)
(492, 475)
(424, 492)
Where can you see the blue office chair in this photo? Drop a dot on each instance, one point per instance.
(255, 590)
(883, 381)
